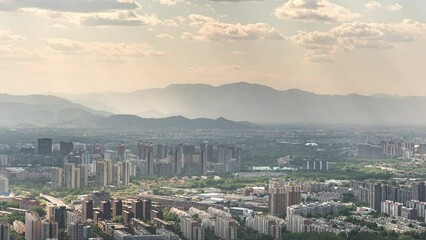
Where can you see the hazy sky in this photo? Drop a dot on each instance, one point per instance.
(324, 46)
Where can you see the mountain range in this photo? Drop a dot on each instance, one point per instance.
(52, 111)
(190, 106)
(259, 104)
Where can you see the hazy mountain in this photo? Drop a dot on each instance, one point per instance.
(177, 122)
(51, 111)
(45, 110)
(258, 103)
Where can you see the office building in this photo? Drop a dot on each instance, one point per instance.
(45, 146)
(66, 148)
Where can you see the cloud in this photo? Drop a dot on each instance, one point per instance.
(90, 13)
(209, 29)
(171, 2)
(238, 53)
(165, 36)
(395, 7)
(7, 36)
(323, 46)
(114, 18)
(120, 18)
(9, 52)
(373, 5)
(101, 49)
(82, 6)
(314, 11)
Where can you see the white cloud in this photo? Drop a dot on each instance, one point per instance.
(119, 18)
(323, 46)
(114, 18)
(100, 49)
(314, 11)
(209, 29)
(171, 2)
(9, 52)
(70, 6)
(238, 53)
(395, 7)
(165, 36)
(373, 5)
(7, 36)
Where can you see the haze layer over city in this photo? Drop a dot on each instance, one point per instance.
(212, 119)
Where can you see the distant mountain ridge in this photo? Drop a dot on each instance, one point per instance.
(262, 104)
(52, 111)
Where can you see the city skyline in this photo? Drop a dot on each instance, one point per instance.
(321, 46)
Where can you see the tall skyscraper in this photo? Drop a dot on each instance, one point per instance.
(178, 161)
(69, 175)
(203, 161)
(45, 146)
(101, 173)
(375, 195)
(32, 226)
(4, 231)
(84, 175)
(125, 175)
(150, 159)
(116, 174)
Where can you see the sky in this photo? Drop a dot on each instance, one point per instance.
(322, 46)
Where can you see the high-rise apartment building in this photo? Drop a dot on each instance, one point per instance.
(4, 185)
(49, 230)
(225, 228)
(282, 195)
(4, 231)
(45, 146)
(32, 226)
(87, 210)
(75, 230)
